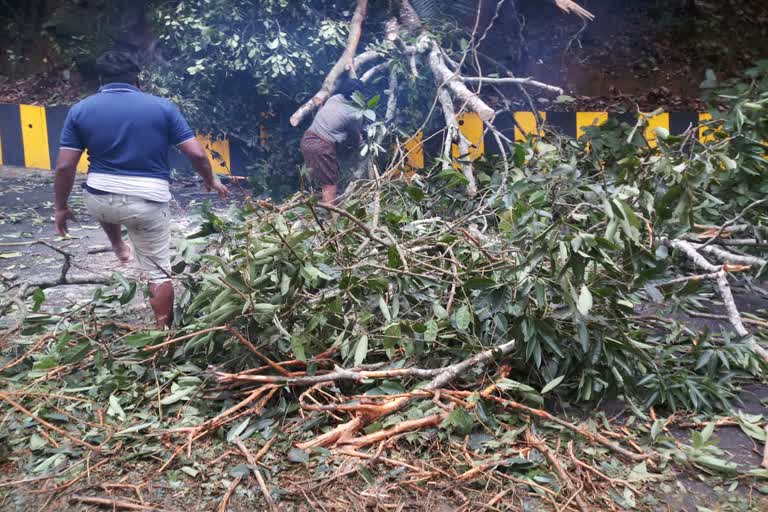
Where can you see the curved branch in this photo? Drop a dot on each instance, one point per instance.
(517, 81)
(345, 63)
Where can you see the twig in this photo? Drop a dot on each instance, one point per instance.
(343, 432)
(582, 464)
(26, 354)
(400, 428)
(544, 449)
(256, 351)
(345, 63)
(114, 504)
(355, 220)
(41, 421)
(732, 222)
(185, 337)
(594, 437)
(511, 80)
(228, 494)
(734, 316)
(442, 376)
(253, 461)
(765, 449)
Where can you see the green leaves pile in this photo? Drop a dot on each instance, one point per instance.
(565, 254)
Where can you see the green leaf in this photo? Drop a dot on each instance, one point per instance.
(115, 410)
(708, 431)
(234, 432)
(179, 394)
(299, 456)
(552, 384)
(38, 297)
(37, 442)
(361, 350)
(513, 385)
(298, 346)
(584, 303)
(431, 333)
(393, 257)
(143, 339)
(373, 102)
(462, 318)
(657, 428)
(460, 421)
(479, 283)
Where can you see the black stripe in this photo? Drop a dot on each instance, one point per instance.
(54, 118)
(505, 124)
(10, 133)
(624, 117)
(237, 157)
(679, 122)
(178, 161)
(563, 123)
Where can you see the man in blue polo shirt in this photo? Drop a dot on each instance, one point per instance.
(127, 135)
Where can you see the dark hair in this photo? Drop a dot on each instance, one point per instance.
(349, 86)
(117, 66)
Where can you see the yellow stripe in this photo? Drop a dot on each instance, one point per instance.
(34, 133)
(527, 121)
(659, 121)
(706, 133)
(584, 119)
(471, 127)
(220, 146)
(82, 165)
(414, 151)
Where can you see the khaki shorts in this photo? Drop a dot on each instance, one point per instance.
(149, 229)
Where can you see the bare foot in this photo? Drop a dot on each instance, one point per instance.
(124, 252)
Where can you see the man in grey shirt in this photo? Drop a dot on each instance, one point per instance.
(335, 122)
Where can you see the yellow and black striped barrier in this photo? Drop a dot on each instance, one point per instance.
(29, 135)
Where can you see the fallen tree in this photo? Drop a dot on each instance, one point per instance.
(412, 319)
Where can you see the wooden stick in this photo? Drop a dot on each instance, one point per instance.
(732, 222)
(765, 450)
(400, 428)
(185, 337)
(113, 504)
(595, 437)
(597, 472)
(443, 378)
(256, 351)
(41, 421)
(228, 494)
(544, 449)
(253, 462)
(721, 279)
(26, 354)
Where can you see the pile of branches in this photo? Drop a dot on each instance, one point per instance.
(414, 311)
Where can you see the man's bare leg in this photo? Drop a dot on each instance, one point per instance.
(161, 300)
(329, 193)
(121, 249)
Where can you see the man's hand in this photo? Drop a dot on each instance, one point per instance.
(62, 216)
(218, 187)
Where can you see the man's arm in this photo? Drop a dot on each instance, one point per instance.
(199, 159)
(66, 168)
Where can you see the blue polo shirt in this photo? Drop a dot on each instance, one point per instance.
(126, 132)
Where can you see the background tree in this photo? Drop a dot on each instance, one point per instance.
(233, 62)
